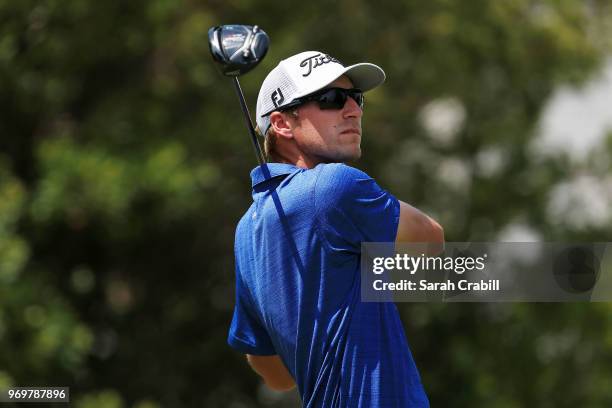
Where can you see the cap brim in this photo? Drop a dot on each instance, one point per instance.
(365, 76)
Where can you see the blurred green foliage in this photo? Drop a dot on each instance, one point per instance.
(124, 168)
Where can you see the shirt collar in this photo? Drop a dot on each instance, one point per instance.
(275, 169)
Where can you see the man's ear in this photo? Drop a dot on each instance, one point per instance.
(281, 124)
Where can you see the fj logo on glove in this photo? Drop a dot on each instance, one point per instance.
(315, 61)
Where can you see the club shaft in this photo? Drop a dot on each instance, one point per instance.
(249, 123)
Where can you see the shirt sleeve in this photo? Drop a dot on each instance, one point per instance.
(352, 208)
(246, 333)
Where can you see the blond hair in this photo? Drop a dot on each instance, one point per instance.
(270, 145)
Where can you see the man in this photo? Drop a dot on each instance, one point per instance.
(298, 314)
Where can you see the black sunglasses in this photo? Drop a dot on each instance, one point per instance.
(330, 98)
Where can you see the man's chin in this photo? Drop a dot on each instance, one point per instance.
(354, 157)
(345, 157)
(342, 155)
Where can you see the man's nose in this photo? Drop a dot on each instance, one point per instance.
(352, 109)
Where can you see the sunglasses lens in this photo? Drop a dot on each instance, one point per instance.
(332, 99)
(357, 97)
(335, 98)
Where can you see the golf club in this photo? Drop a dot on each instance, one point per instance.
(237, 49)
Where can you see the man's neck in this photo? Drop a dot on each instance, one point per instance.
(299, 161)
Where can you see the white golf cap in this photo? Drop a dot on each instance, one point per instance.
(305, 73)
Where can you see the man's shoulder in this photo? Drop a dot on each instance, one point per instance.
(338, 185)
(340, 170)
(338, 176)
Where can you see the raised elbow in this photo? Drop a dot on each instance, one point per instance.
(434, 238)
(426, 229)
(280, 384)
(273, 371)
(416, 226)
(436, 233)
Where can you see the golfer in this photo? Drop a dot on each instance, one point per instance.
(298, 315)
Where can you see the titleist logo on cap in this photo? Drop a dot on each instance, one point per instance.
(315, 61)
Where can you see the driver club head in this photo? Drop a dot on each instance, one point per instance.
(237, 49)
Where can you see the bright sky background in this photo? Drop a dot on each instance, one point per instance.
(575, 120)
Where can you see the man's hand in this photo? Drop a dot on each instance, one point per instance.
(273, 371)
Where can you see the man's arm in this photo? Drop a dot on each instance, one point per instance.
(273, 371)
(416, 226)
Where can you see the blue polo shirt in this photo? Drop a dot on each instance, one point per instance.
(298, 288)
